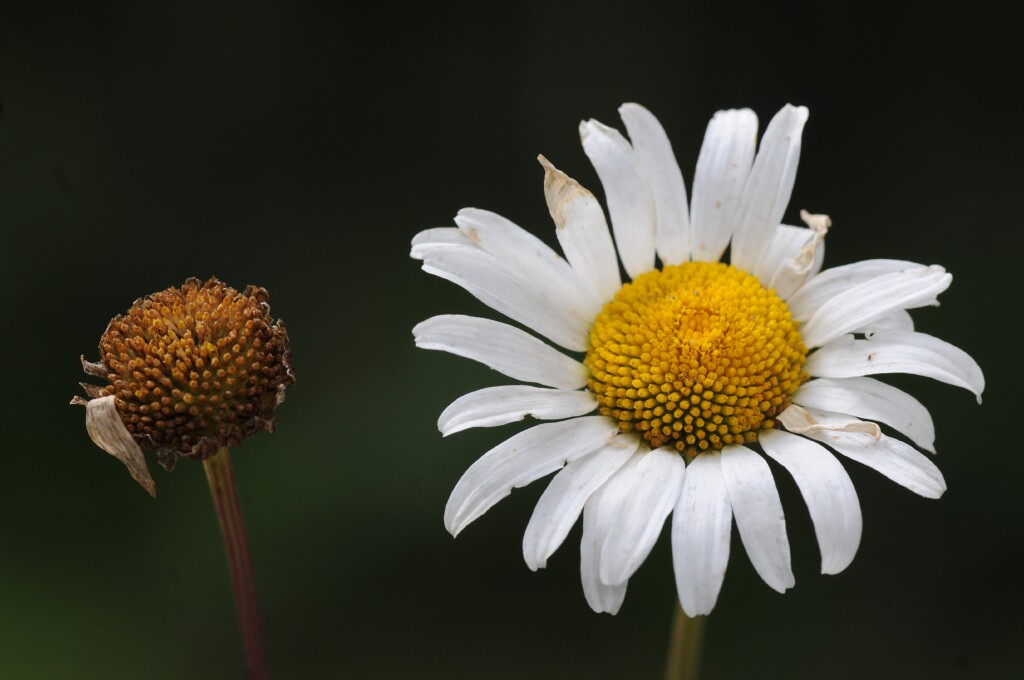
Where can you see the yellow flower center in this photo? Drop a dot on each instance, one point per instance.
(698, 355)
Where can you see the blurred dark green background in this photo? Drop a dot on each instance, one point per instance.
(301, 149)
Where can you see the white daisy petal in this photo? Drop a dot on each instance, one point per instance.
(436, 237)
(509, 242)
(601, 597)
(831, 282)
(582, 231)
(897, 320)
(897, 352)
(630, 204)
(896, 460)
(501, 286)
(652, 489)
(598, 518)
(562, 502)
(521, 459)
(658, 164)
(768, 188)
(873, 300)
(874, 400)
(504, 348)
(701, 530)
(759, 517)
(828, 492)
(722, 169)
(504, 404)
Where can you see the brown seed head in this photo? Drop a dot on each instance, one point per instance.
(195, 368)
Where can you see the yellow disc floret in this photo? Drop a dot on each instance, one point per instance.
(698, 355)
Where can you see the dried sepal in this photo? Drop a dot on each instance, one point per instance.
(93, 391)
(108, 432)
(93, 368)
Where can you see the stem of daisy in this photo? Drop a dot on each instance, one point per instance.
(221, 477)
(684, 646)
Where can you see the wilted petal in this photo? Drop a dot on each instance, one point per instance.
(582, 231)
(107, 431)
(871, 399)
(899, 462)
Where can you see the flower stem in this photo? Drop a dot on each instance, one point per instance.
(684, 646)
(221, 478)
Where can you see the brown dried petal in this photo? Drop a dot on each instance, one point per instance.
(108, 432)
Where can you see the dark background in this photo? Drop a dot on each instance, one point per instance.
(301, 149)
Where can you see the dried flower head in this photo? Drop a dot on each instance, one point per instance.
(190, 370)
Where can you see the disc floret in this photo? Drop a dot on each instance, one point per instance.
(697, 356)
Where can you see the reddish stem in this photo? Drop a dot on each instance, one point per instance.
(221, 477)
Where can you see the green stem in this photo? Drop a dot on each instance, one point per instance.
(221, 478)
(684, 646)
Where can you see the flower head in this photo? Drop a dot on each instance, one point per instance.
(699, 370)
(190, 370)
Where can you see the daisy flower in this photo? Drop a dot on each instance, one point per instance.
(672, 390)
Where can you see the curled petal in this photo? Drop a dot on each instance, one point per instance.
(871, 399)
(108, 432)
(793, 256)
(899, 462)
(797, 419)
